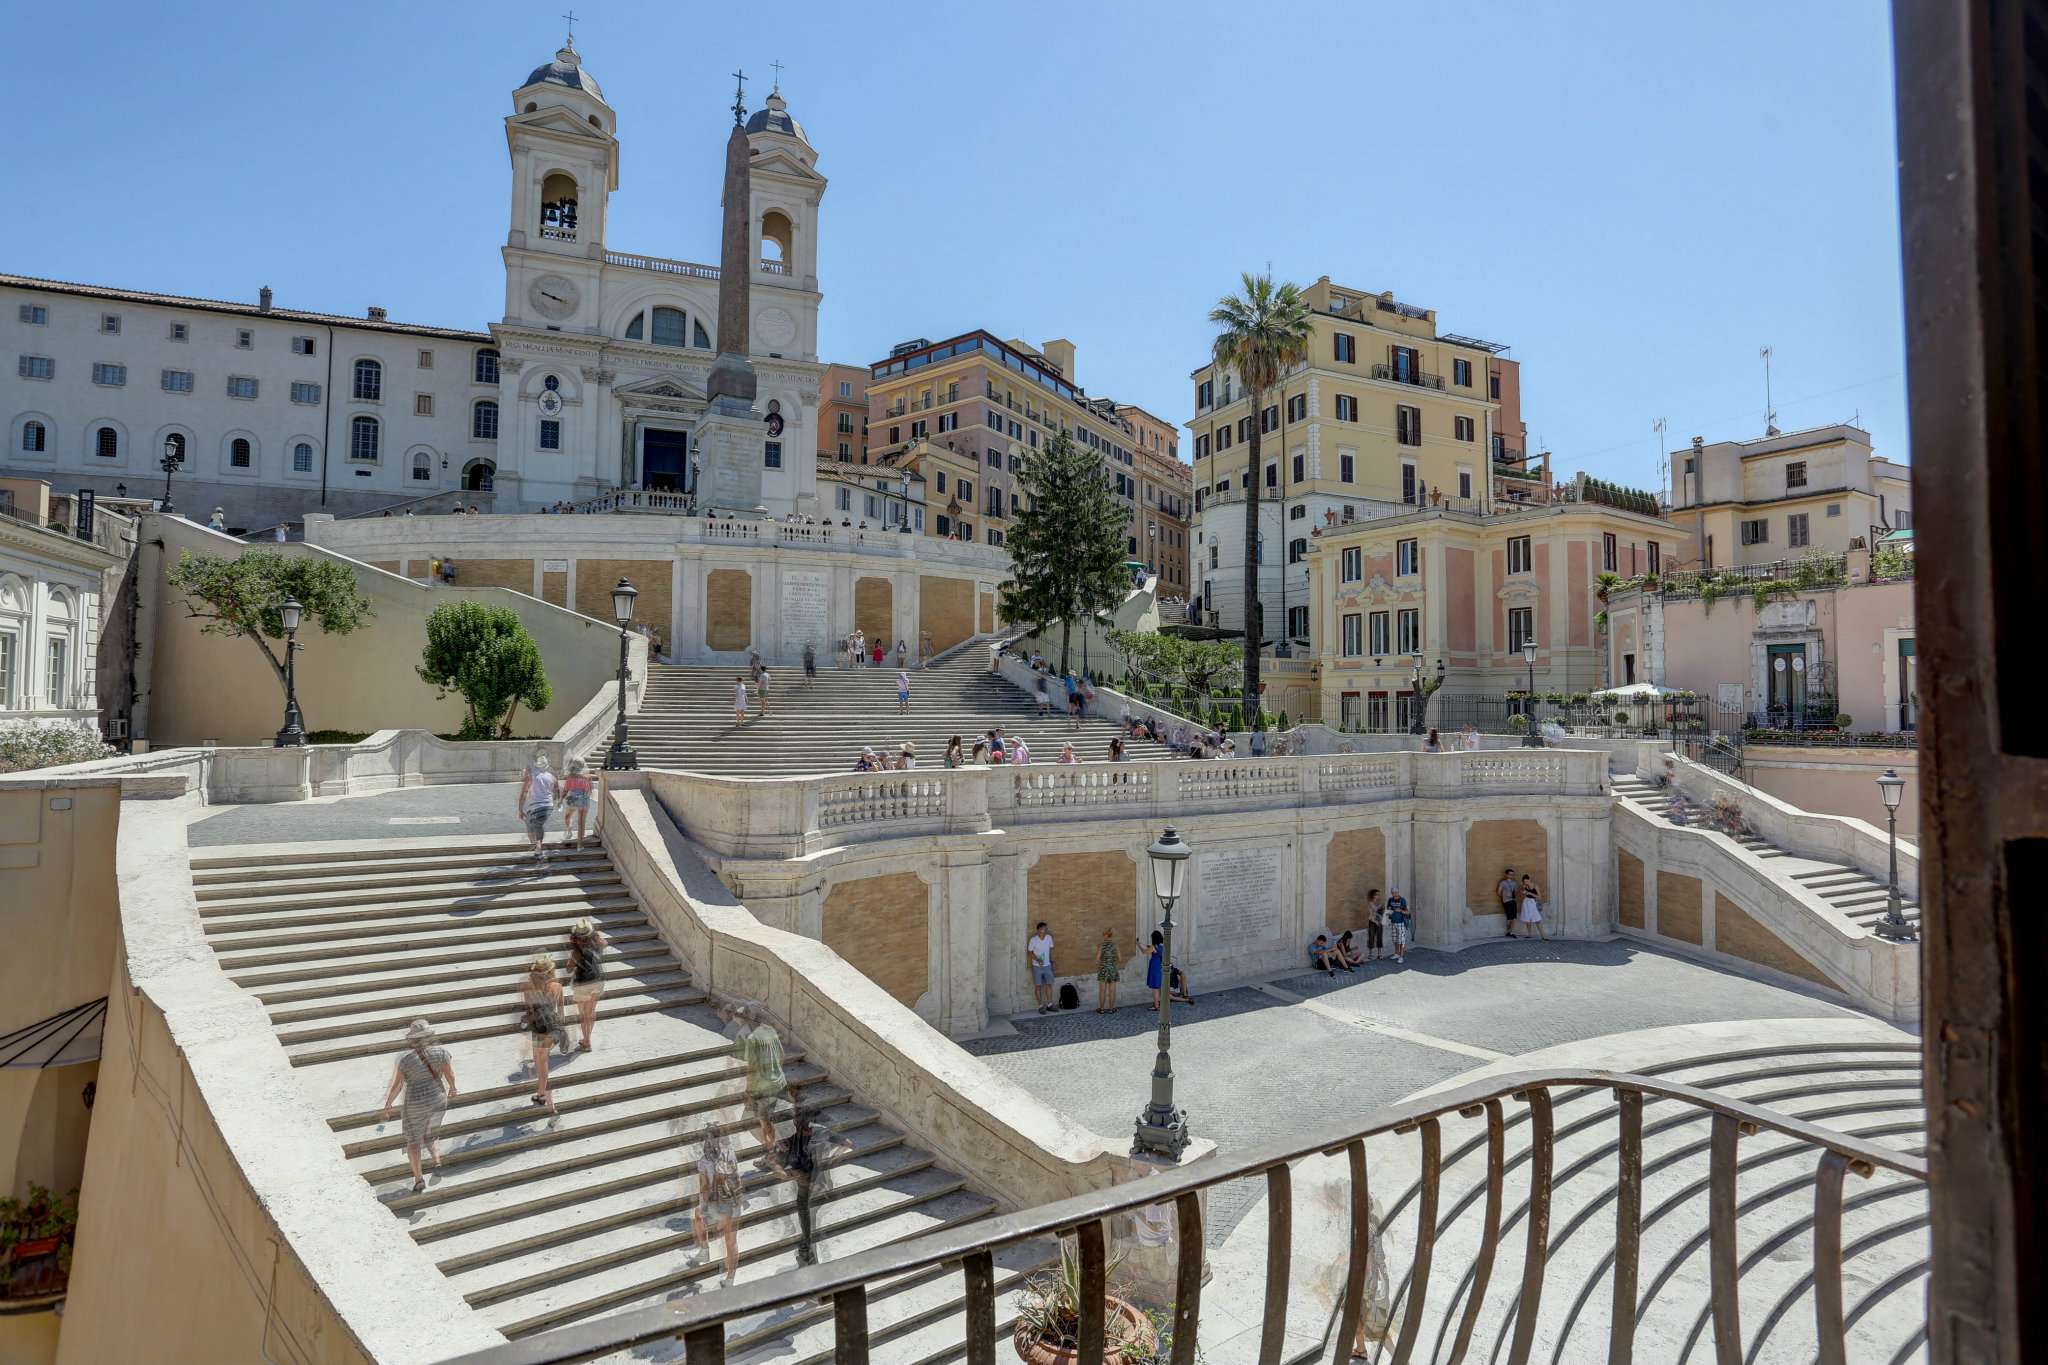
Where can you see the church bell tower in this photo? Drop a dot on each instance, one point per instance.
(562, 138)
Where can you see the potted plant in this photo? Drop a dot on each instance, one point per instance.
(35, 1243)
(1049, 1318)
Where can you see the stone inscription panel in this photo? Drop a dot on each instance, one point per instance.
(805, 604)
(1240, 891)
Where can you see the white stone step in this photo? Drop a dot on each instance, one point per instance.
(549, 923)
(503, 973)
(294, 968)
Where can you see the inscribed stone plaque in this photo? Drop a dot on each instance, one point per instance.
(804, 605)
(1240, 899)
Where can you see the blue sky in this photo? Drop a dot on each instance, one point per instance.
(1635, 198)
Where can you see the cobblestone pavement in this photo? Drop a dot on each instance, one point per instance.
(1253, 1064)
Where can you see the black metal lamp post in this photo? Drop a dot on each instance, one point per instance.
(621, 757)
(1893, 926)
(1162, 1129)
(1530, 739)
(174, 456)
(294, 732)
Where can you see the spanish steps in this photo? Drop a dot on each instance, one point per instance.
(686, 718)
(541, 1220)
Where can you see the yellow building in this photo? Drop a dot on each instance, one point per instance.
(966, 413)
(1462, 590)
(1386, 413)
(843, 414)
(1160, 529)
(1754, 502)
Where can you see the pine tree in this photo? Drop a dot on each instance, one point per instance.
(1067, 545)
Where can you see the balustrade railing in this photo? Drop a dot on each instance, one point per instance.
(699, 1322)
(661, 265)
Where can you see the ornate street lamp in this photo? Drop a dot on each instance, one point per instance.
(294, 732)
(1893, 926)
(1530, 739)
(174, 455)
(1162, 1129)
(621, 757)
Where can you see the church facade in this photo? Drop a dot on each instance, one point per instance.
(595, 376)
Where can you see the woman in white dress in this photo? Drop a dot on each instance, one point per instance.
(1532, 910)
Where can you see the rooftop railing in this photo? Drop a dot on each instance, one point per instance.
(1419, 1295)
(661, 265)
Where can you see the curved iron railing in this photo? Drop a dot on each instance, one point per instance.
(700, 1322)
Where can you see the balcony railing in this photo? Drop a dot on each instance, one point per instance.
(661, 265)
(774, 268)
(1402, 374)
(968, 1251)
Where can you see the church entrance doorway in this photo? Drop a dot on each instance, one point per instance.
(665, 460)
(478, 475)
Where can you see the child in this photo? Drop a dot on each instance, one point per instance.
(575, 799)
(1108, 971)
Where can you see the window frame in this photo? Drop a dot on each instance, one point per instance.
(1521, 548)
(359, 424)
(1407, 557)
(366, 380)
(1379, 634)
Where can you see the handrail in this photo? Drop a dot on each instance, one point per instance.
(700, 1320)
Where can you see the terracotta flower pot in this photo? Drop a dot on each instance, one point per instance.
(1126, 1323)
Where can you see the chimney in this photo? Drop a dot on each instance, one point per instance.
(376, 314)
(1060, 352)
(263, 298)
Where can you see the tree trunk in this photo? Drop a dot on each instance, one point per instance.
(1066, 642)
(1253, 613)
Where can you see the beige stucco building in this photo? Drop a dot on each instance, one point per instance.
(1160, 528)
(53, 586)
(843, 414)
(1776, 497)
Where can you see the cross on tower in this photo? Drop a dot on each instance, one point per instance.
(571, 17)
(778, 78)
(739, 97)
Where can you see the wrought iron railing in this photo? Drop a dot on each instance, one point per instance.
(969, 1250)
(1401, 374)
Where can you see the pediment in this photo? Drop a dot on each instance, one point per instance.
(666, 387)
(782, 163)
(560, 121)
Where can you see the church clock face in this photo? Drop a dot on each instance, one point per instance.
(553, 296)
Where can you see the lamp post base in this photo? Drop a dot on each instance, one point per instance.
(1895, 927)
(291, 737)
(1161, 1133)
(620, 758)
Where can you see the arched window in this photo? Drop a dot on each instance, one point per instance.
(364, 439)
(668, 327)
(238, 452)
(530, 107)
(59, 654)
(558, 208)
(483, 421)
(106, 443)
(369, 381)
(14, 597)
(487, 366)
(422, 466)
(636, 330)
(777, 239)
(703, 339)
(302, 458)
(35, 436)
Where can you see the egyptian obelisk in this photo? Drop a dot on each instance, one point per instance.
(730, 437)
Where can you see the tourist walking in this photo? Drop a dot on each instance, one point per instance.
(879, 651)
(427, 1077)
(719, 1197)
(902, 656)
(810, 664)
(805, 1158)
(1108, 964)
(586, 972)
(902, 691)
(924, 649)
(754, 666)
(1375, 926)
(739, 699)
(540, 997)
(575, 798)
(1044, 697)
(763, 681)
(536, 800)
(1399, 923)
(1532, 909)
(767, 1086)
(1510, 893)
(1038, 951)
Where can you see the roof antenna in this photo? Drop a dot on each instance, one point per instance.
(1770, 413)
(1663, 456)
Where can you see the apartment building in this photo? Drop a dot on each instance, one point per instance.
(1160, 527)
(966, 413)
(1785, 493)
(1460, 590)
(1386, 414)
(843, 414)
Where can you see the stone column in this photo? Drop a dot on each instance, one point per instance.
(962, 959)
(1437, 891)
(1585, 875)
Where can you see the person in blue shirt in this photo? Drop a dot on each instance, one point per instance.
(1399, 924)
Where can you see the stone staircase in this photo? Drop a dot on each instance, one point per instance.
(685, 719)
(1869, 1091)
(1856, 894)
(541, 1220)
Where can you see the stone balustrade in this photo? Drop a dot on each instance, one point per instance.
(795, 817)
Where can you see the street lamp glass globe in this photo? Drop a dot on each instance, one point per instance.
(1529, 651)
(1169, 865)
(290, 611)
(170, 447)
(622, 601)
(1892, 788)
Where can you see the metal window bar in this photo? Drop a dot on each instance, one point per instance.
(700, 1321)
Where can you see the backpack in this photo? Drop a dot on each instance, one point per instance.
(1070, 998)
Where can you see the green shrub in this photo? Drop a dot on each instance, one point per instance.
(1843, 722)
(24, 746)
(336, 736)
(1518, 723)
(484, 655)
(1283, 721)
(1621, 717)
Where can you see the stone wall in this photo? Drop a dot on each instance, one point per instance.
(1738, 933)
(595, 579)
(1355, 863)
(1495, 844)
(1079, 895)
(946, 610)
(1629, 895)
(874, 611)
(1678, 907)
(728, 609)
(882, 926)
(516, 574)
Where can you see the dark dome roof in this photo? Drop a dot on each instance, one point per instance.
(566, 69)
(774, 118)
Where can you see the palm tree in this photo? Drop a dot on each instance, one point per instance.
(1263, 332)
